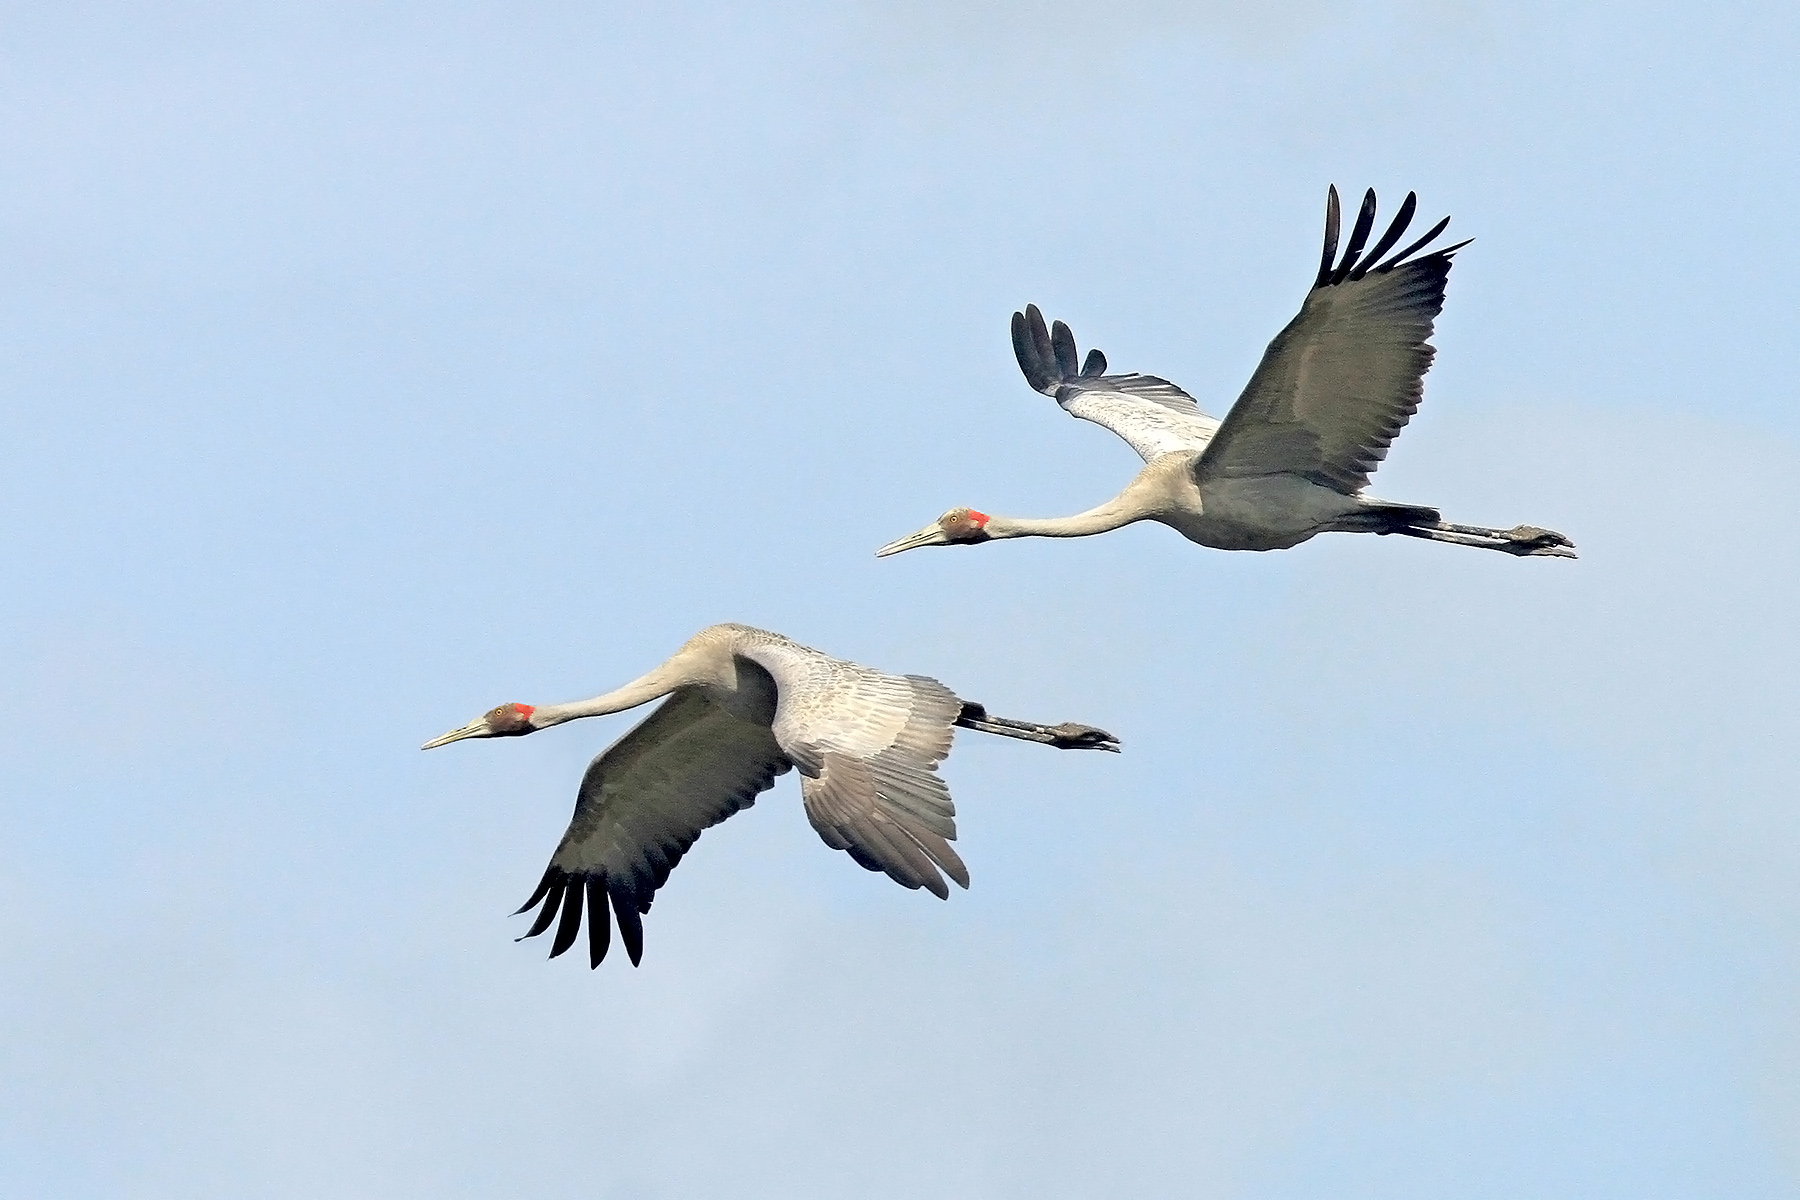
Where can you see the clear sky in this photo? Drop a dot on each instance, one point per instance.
(365, 366)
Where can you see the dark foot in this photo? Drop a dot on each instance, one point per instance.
(1536, 536)
(1068, 736)
(1526, 540)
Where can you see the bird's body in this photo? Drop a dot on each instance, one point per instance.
(1291, 457)
(1265, 512)
(744, 706)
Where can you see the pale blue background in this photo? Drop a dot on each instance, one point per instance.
(367, 366)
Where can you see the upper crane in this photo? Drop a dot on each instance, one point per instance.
(1292, 456)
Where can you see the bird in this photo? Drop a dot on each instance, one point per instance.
(1292, 456)
(745, 705)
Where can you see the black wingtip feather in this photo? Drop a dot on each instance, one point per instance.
(1040, 342)
(1407, 253)
(542, 887)
(1359, 237)
(599, 923)
(1068, 359)
(1401, 220)
(552, 901)
(631, 927)
(1095, 365)
(570, 925)
(1036, 372)
(1331, 236)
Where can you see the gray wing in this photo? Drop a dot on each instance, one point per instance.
(642, 803)
(867, 745)
(1344, 377)
(1153, 415)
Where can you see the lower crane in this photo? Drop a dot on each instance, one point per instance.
(744, 705)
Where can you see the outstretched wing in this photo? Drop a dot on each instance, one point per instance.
(1153, 415)
(1344, 377)
(867, 745)
(642, 803)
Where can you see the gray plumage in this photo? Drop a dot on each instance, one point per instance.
(744, 706)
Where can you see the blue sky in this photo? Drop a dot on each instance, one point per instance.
(367, 366)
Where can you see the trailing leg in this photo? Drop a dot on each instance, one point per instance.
(1067, 736)
(1524, 540)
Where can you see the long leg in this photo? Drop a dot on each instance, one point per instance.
(1067, 736)
(1523, 540)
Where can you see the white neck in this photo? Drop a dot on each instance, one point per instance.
(1116, 513)
(659, 682)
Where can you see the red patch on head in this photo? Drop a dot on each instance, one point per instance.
(525, 710)
(980, 519)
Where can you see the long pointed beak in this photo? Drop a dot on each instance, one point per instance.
(931, 535)
(476, 728)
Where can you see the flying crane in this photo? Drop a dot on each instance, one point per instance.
(1292, 456)
(744, 705)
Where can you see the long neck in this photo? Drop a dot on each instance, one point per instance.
(1120, 511)
(659, 682)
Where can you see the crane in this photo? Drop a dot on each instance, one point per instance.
(1293, 454)
(744, 705)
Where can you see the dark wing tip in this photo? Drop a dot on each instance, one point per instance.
(1401, 220)
(1041, 345)
(1068, 359)
(1032, 365)
(542, 887)
(553, 900)
(570, 925)
(1359, 237)
(1331, 236)
(1354, 264)
(599, 923)
(568, 896)
(1407, 253)
(1095, 365)
(631, 927)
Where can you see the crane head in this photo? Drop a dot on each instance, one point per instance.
(959, 526)
(509, 720)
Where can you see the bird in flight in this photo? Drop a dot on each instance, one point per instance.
(1291, 458)
(743, 706)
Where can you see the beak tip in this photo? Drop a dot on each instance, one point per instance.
(473, 729)
(929, 536)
